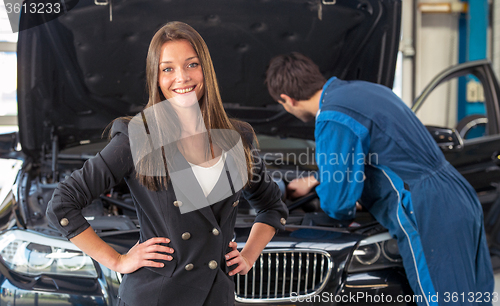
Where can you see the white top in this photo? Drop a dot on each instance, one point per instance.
(208, 176)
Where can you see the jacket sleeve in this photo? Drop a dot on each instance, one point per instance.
(341, 145)
(264, 196)
(97, 175)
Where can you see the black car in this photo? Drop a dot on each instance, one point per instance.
(83, 67)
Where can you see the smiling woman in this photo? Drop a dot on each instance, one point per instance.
(185, 256)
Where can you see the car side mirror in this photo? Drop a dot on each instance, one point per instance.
(8, 145)
(447, 139)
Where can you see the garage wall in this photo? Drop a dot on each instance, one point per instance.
(407, 52)
(436, 50)
(496, 37)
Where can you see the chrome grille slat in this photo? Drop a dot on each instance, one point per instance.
(307, 272)
(287, 271)
(321, 274)
(314, 270)
(276, 279)
(284, 274)
(291, 273)
(253, 280)
(246, 285)
(300, 272)
(261, 274)
(268, 275)
(237, 284)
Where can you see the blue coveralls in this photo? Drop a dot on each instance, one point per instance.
(409, 188)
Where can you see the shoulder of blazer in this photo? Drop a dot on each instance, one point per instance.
(119, 125)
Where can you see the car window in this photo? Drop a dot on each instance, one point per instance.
(458, 103)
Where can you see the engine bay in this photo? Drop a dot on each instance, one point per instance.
(114, 210)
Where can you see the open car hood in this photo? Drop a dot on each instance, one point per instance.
(78, 72)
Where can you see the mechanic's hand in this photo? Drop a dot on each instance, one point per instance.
(235, 257)
(301, 186)
(141, 255)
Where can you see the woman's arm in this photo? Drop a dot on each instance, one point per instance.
(264, 195)
(259, 237)
(140, 255)
(98, 174)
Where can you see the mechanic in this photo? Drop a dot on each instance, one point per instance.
(408, 185)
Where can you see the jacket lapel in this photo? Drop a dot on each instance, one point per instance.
(188, 190)
(228, 181)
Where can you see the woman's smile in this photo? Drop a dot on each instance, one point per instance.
(184, 90)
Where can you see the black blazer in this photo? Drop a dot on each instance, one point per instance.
(197, 275)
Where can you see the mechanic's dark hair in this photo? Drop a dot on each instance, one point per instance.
(294, 75)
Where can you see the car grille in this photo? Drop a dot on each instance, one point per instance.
(279, 275)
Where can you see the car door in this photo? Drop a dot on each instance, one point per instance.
(477, 155)
(470, 140)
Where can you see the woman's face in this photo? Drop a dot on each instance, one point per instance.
(180, 75)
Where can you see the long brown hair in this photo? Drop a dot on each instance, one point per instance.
(212, 110)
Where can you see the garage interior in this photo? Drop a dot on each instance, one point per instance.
(435, 35)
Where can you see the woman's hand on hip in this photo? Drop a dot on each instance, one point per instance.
(142, 255)
(234, 257)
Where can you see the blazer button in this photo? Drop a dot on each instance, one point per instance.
(215, 232)
(212, 264)
(189, 267)
(236, 203)
(283, 221)
(177, 203)
(186, 236)
(64, 222)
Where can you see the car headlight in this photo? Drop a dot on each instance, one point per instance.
(34, 254)
(374, 253)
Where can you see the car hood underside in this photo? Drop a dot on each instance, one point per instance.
(81, 70)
